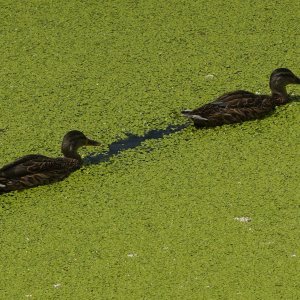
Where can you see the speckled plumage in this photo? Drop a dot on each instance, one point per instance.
(240, 106)
(34, 169)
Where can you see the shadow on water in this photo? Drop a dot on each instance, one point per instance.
(295, 98)
(132, 141)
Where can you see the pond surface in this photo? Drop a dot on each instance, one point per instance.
(161, 210)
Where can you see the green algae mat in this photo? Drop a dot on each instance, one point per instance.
(160, 210)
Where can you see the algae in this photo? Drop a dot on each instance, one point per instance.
(155, 220)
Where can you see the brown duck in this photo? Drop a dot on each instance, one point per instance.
(33, 170)
(240, 106)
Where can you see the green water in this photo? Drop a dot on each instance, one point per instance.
(156, 221)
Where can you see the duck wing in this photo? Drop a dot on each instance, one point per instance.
(237, 99)
(34, 170)
(236, 115)
(19, 161)
(233, 110)
(234, 95)
(242, 99)
(33, 164)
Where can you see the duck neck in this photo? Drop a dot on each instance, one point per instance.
(70, 152)
(279, 91)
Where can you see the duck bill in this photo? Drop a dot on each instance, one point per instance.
(92, 143)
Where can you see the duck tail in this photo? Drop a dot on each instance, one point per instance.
(189, 114)
(186, 112)
(2, 186)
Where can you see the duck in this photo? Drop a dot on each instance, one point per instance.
(240, 105)
(34, 169)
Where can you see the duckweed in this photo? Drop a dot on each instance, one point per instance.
(157, 219)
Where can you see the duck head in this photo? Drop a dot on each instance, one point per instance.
(279, 79)
(72, 141)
